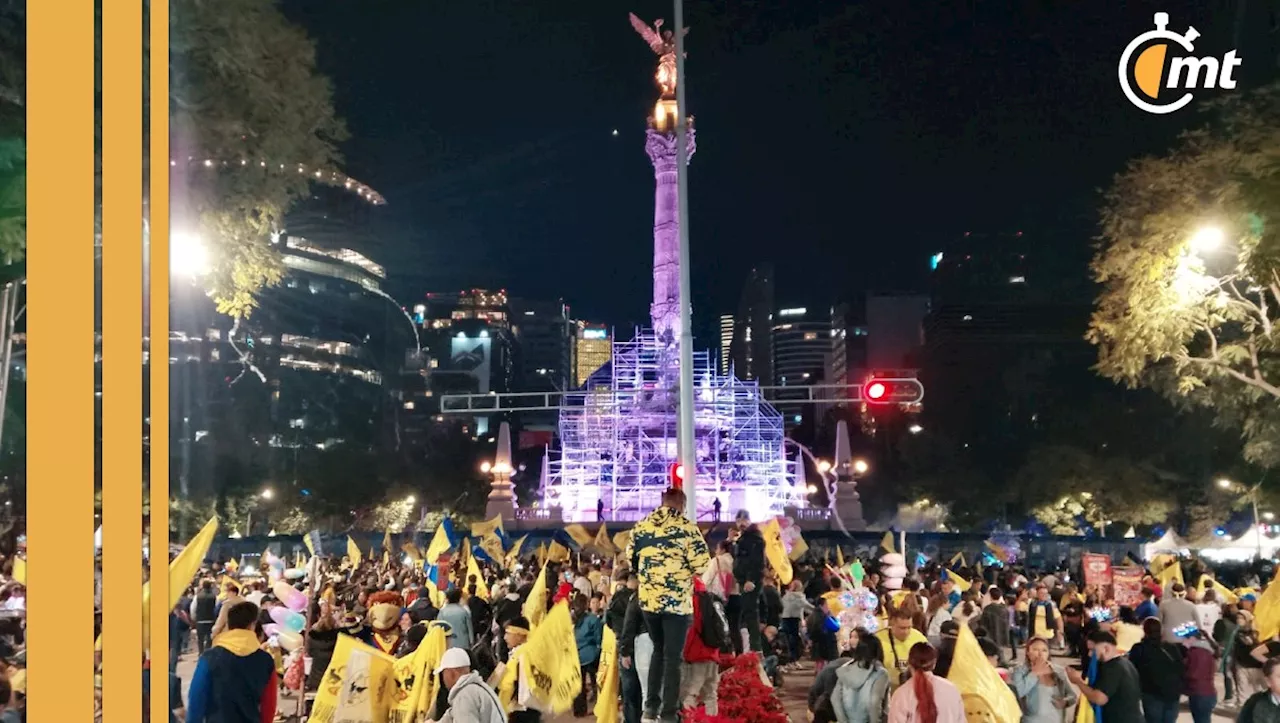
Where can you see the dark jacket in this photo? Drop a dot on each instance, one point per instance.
(995, 619)
(231, 687)
(1259, 709)
(1160, 668)
(320, 645)
(823, 645)
(632, 627)
(422, 611)
(771, 606)
(748, 558)
(616, 615)
(206, 607)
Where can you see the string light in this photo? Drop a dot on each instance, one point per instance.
(333, 178)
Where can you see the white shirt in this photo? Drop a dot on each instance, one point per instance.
(1207, 614)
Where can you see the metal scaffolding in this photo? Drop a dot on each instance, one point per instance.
(618, 439)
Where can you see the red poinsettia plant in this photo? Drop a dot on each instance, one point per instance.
(743, 696)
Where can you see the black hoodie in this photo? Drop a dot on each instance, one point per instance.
(748, 559)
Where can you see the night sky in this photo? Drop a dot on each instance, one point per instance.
(842, 142)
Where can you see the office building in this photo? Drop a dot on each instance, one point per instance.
(544, 337)
(751, 349)
(801, 351)
(726, 341)
(593, 348)
(895, 329)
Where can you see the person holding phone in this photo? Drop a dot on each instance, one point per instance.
(1043, 689)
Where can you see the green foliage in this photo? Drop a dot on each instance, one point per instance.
(13, 200)
(1200, 323)
(244, 92)
(1067, 488)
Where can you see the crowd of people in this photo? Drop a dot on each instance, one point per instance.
(677, 611)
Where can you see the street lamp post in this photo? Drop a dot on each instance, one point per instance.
(1250, 493)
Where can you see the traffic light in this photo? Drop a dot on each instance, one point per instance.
(892, 391)
(676, 475)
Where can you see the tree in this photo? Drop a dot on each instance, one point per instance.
(1189, 263)
(1069, 488)
(252, 124)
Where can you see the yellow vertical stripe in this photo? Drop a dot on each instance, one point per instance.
(158, 302)
(121, 352)
(60, 69)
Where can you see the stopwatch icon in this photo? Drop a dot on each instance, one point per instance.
(1154, 52)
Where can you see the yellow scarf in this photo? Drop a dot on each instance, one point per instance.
(240, 642)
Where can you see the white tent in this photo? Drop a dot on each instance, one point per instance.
(1168, 543)
(1243, 547)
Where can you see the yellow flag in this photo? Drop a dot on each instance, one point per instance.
(887, 542)
(482, 588)
(513, 555)
(839, 559)
(579, 534)
(1161, 561)
(386, 541)
(414, 679)
(20, 570)
(372, 554)
(412, 551)
(353, 552)
(607, 692)
(1171, 573)
(492, 546)
(371, 673)
(232, 565)
(1266, 612)
(386, 559)
(439, 545)
(962, 585)
(957, 558)
(542, 553)
(299, 560)
(775, 551)
(558, 553)
(1223, 593)
(798, 548)
(603, 543)
(535, 606)
(181, 571)
(311, 547)
(488, 527)
(621, 540)
(1084, 712)
(550, 657)
(979, 683)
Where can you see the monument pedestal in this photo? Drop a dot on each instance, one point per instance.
(849, 505)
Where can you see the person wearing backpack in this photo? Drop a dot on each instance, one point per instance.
(708, 634)
(823, 645)
(1160, 669)
(861, 694)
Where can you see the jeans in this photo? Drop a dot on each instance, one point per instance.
(733, 611)
(790, 631)
(1159, 710)
(588, 672)
(750, 617)
(667, 630)
(632, 693)
(1202, 707)
(204, 635)
(644, 659)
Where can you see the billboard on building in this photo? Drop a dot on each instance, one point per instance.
(472, 355)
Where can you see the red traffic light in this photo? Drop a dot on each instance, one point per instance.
(676, 473)
(892, 391)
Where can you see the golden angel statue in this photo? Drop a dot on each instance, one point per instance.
(663, 44)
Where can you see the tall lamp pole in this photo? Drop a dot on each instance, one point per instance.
(688, 453)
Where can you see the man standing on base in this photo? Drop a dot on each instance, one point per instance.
(666, 551)
(748, 570)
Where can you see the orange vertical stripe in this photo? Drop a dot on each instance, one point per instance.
(122, 211)
(158, 353)
(60, 374)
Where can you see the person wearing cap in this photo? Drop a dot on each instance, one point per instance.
(471, 700)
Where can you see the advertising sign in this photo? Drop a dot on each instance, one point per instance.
(1097, 569)
(1128, 585)
(471, 355)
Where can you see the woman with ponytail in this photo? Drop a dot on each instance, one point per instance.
(925, 698)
